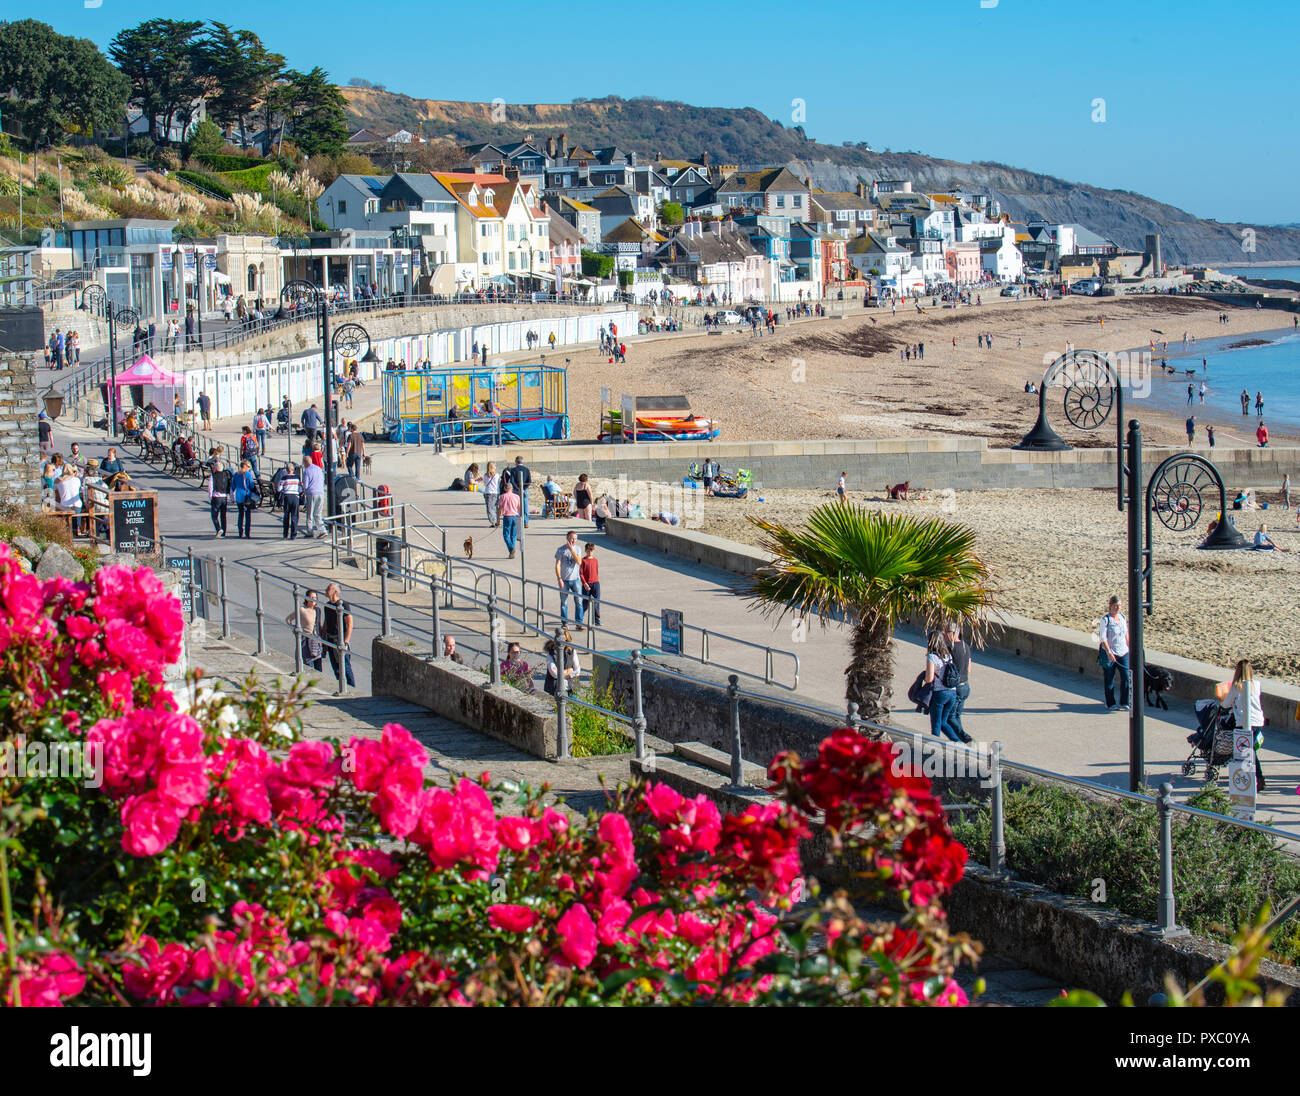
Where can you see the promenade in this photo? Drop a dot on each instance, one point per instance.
(1045, 717)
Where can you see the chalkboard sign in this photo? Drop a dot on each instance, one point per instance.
(134, 526)
(182, 564)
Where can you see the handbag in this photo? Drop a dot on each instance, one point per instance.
(920, 693)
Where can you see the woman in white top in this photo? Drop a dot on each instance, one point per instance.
(308, 623)
(491, 490)
(1245, 700)
(572, 668)
(67, 494)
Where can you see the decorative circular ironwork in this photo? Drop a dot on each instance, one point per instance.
(351, 340)
(299, 293)
(1088, 405)
(1178, 492)
(94, 298)
(126, 317)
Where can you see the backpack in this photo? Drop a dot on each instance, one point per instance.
(458, 484)
(951, 675)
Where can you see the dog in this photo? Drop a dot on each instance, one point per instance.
(1156, 681)
(367, 464)
(469, 547)
(899, 491)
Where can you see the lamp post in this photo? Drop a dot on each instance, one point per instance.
(347, 338)
(125, 317)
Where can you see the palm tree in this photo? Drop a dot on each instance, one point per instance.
(874, 571)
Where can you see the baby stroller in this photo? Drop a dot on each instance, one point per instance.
(282, 421)
(1212, 740)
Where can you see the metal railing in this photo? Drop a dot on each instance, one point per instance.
(206, 586)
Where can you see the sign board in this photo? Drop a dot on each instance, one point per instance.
(133, 527)
(190, 583)
(604, 394)
(1241, 773)
(629, 416)
(671, 627)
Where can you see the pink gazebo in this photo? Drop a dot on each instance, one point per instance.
(151, 376)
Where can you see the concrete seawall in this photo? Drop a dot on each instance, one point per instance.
(1032, 640)
(927, 463)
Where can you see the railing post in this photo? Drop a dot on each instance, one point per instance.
(189, 552)
(494, 671)
(297, 633)
(645, 629)
(257, 608)
(561, 693)
(852, 714)
(767, 665)
(997, 834)
(704, 646)
(733, 702)
(225, 614)
(1166, 924)
(334, 544)
(383, 599)
(437, 620)
(638, 711)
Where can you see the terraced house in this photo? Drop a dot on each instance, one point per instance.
(774, 191)
(502, 232)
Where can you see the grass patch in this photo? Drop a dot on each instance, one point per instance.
(1222, 874)
(596, 734)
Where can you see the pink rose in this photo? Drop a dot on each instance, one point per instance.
(663, 802)
(150, 823)
(512, 918)
(516, 833)
(183, 785)
(311, 765)
(615, 831)
(577, 935)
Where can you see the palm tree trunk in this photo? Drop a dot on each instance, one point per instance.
(871, 673)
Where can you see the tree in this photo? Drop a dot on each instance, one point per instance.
(319, 124)
(241, 70)
(204, 138)
(60, 84)
(162, 60)
(875, 571)
(671, 213)
(596, 265)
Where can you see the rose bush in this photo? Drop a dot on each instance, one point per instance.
(222, 862)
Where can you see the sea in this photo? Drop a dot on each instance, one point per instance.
(1272, 368)
(1270, 273)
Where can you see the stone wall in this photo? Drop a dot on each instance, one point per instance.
(929, 464)
(20, 450)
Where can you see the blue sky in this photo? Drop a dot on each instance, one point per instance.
(1200, 95)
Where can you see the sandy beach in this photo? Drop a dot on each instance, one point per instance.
(843, 378)
(1057, 555)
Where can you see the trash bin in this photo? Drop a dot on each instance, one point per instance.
(391, 552)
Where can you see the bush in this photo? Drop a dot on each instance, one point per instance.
(595, 734)
(228, 163)
(252, 179)
(204, 137)
(93, 154)
(221, 860)
(1222, 874)
(165, 159)
(595, 265)
(207, 182)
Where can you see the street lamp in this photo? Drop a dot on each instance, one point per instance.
(125, 317)
(347, 338)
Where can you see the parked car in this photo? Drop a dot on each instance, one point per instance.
(1011, 291)
(728, 317)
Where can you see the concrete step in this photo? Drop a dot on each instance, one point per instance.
(719, 762)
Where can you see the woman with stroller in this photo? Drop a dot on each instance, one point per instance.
(1244, 699)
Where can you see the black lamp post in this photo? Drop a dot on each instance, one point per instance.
(1093, 388)
(126, 317)
(347, 338)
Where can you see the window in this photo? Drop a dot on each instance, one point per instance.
(343, 205)
(512, 260)
(510, 232)
(252, 277)
(780, 201)
(798, 201)
(483, 259)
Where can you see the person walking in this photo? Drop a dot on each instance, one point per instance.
(1245, 402)
(1209, 433)
(1261, 434)
(1112, 655)
(356, 451)
(1286, 491)
(582, 499)
(508, 514)
(336, 632)
(568, 576)
(1191, 429)
(1259, 404)
(248, 450)
(1201, 391)
(941, 676)
(219, 496)
(290, 497)
(244, 487)
(204, 403)
(589, 573)
(1191, 392)
(959, 650)
(1245, 699)
(491, 492)
(522, 479)
(261, 427)
(313, 493)
(842, 488)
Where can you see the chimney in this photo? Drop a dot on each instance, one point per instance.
(564, 145)
(862, 189)
(550, 146)
(529, 139)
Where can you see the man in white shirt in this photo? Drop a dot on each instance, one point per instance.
(568, 565)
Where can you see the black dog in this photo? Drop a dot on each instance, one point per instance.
(1156, 681)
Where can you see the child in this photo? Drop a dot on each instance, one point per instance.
(589, 571)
